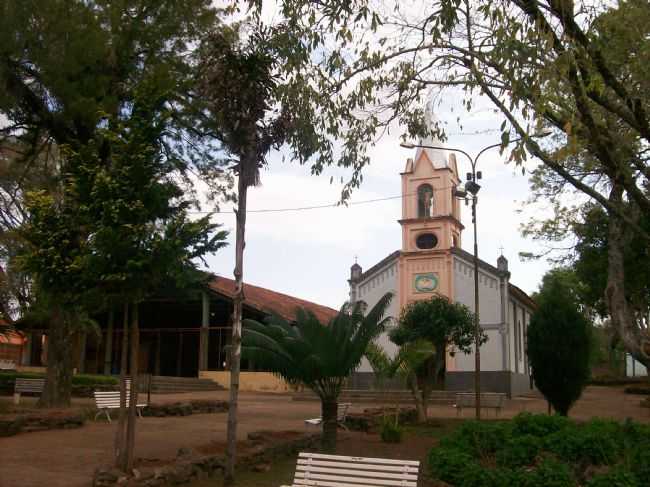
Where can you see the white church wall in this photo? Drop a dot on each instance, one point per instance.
(489, 292)
(490, 313)
(370, 290)
(490, 355)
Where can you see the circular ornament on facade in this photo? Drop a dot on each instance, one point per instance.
(426, 241)
(425, 283)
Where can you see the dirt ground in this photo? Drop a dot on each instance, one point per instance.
(68, 458)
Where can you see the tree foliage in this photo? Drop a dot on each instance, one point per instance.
(559, 343)
(576, 68)
(318, 355)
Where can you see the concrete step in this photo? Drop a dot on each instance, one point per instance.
(385, 397)
(169, 385)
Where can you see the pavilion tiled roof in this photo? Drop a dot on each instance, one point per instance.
(271, 302)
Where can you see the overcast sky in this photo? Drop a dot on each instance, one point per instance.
(308, 253)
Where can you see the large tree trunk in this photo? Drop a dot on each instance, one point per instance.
(235, 346)
(58, 380)
(133, 397)
(635, 339)
(120, 434)
(329, 410)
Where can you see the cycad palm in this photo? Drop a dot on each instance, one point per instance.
(320, 356)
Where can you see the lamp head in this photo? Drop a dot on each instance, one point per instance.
(407, 145)
(472, 187)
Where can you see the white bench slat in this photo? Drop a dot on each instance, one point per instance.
(357, 472)
(385, 461)
(337, 481)
(323, 470)
(361, 466)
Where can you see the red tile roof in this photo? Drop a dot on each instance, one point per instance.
(269, 301)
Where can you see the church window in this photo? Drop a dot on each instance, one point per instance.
(426, 241)
(425, 201)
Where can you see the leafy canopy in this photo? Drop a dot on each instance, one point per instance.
(439, 321)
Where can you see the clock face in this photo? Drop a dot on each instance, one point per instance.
(425, 283)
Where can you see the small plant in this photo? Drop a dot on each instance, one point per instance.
(391, 432)
(519, 451)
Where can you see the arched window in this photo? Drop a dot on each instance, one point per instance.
(425, 201)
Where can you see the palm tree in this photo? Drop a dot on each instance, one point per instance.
(405, 364)
(319, 356)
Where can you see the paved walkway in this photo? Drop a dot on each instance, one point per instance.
(67, 458)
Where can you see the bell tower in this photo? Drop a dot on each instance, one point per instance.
(430, 224)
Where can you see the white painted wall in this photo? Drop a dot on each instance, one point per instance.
(488, 291)
(633, 368)
(370, 290)
(490, 313)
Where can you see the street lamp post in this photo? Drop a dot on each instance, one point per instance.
(471, 187)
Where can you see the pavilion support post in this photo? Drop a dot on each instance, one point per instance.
(179, 356)
(108, 345)
(26, 358)
(203, 337)
(83, 344)
(158, 348)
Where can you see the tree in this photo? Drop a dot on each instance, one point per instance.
(127, 229)
(577, 68)
(319, 355)
(58, 105)
(559, 344)
(253, 109)
(405, 364)
(448, 326)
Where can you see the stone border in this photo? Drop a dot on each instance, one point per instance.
(26, 423)
(189, 466)
(196, 406)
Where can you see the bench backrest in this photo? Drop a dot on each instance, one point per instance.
(342, 411)
(335, 470)
(29, 385)
(488, 400)
(109, 399)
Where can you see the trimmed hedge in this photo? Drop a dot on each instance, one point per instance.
(543, 451)
(82, 384)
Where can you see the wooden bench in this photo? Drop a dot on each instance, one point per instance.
(341, 414)
(321, 470)
(107, 400)
(24, 386)
(489, 400)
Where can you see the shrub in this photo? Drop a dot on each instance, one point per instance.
(452, 465)
(391, 432)
(539, 425)
(543, 451)
(596, 443)
(519, 451)
(616, 477)
(479, 438)
(559, 344)
(549, 473)
(641, 390)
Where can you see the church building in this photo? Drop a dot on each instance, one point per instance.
(431, 261)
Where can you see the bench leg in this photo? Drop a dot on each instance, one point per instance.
(139, 410)
(108, 416)
(342, 425)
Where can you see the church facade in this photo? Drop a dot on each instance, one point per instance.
(431, 261)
